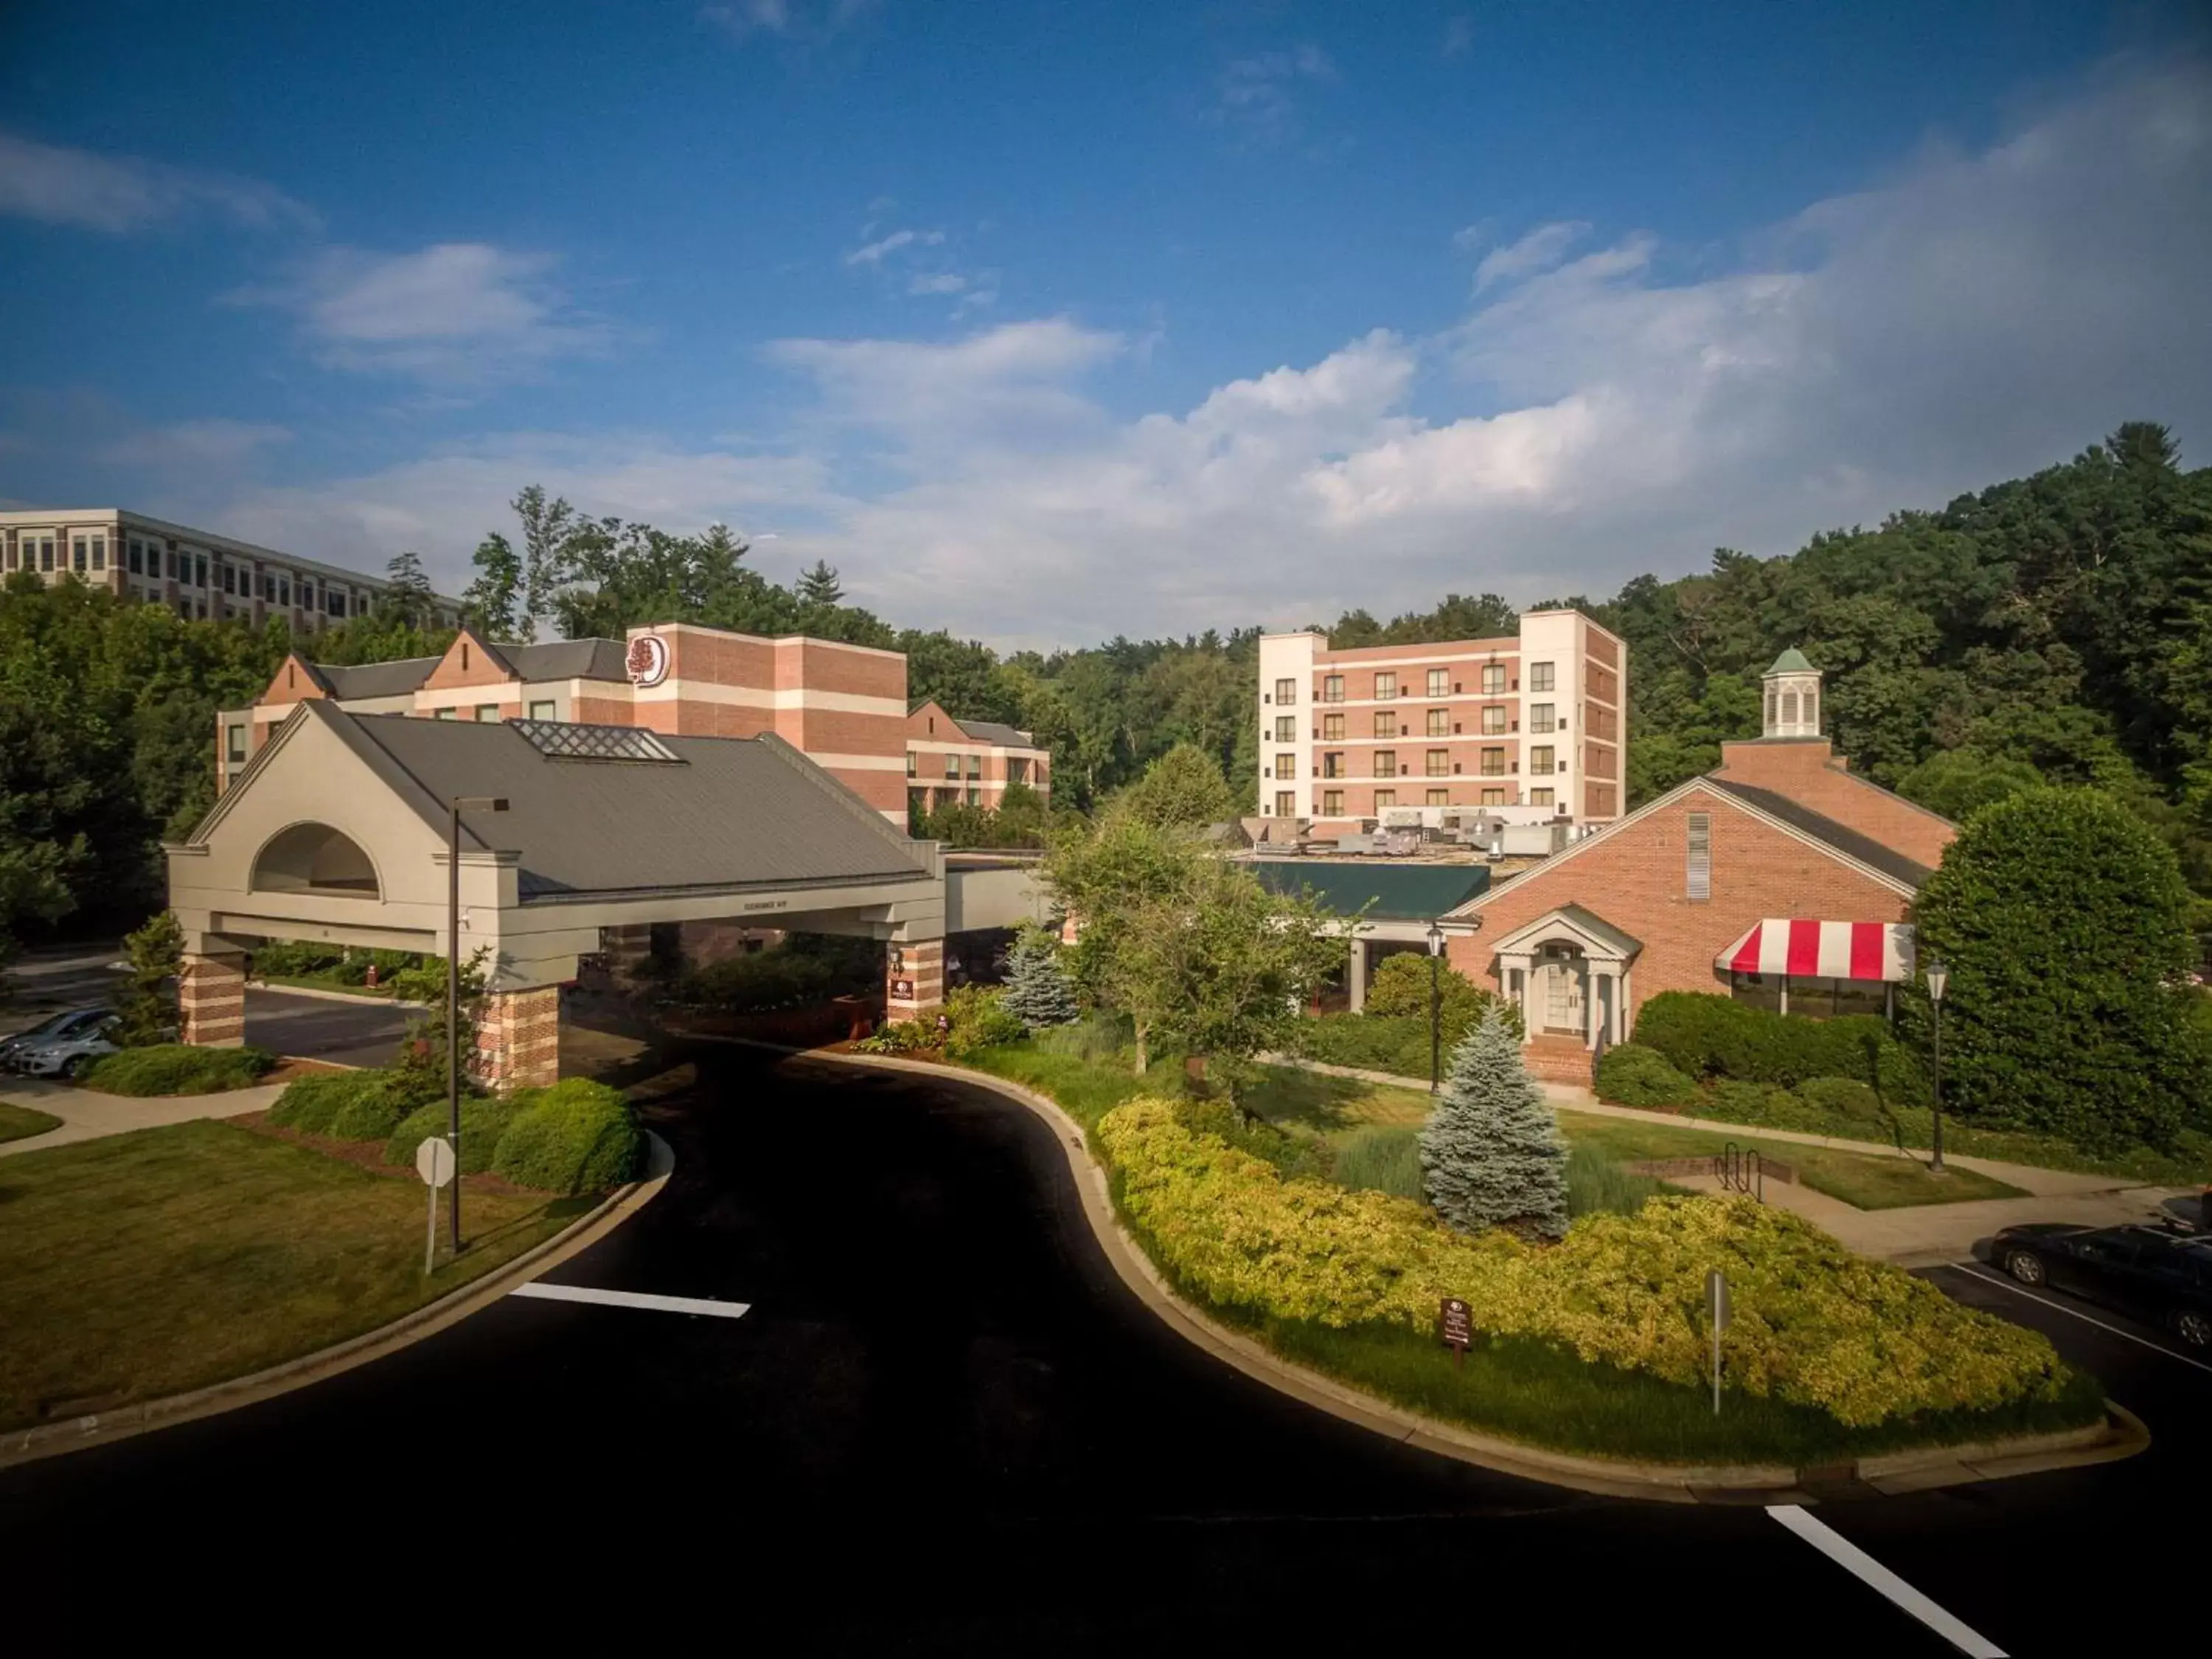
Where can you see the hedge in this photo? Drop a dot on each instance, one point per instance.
(1631, 1074)
(577, 1136)
(309, 1103)
(484, 1120)
(1706, 1034)
(176, 1068)
(367, 1105)
(1812, 1324)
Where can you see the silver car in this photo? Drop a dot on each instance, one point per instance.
(69, 1052)
(55, 1028)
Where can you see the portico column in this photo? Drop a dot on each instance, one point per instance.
(211, 1001)
(1356, 979)
(1524, 966)
(914, 978)
(519, 1039)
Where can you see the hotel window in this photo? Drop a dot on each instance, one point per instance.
(1493, 679)
(80, 549)
(307, 594)
(1286, 766)
(199, 571)
(99, 552)
(1386, 762)
(1386, 687)
(1540, 760)
(1539, 717)
(912, 760)
(1386, 723)
(1385, 798)
(446, 714)
(1439, 763)
(45, 553)
(1540, 676)
(185, 609)
(1286, 803)
(1493, 762)
(1332, 728)
(975, 766)
(974, 797)
(1332, 803)
(1332, 766)
(1439, 723)
(1332, 688)
(1286, 728)
(1493, 720)
(1700, 878)
(137, 558)
(1439, 683)
(234, 744)
(952, 766)
(1287, 691)
(1493, 797)
(488, 714)
(1540, 798)
(1440, 798)
(284, 590)
(544, 711)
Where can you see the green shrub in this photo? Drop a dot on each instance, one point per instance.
(177, 1068)
(1631, 1074)
(903, 1036)
(1398, 1044)
(484, 1119)
(758, 980)
(577, 1136)
(1841, 1097)
(1096, 1039)
(1598, 1185)
(1384, 1159)
(309, 1103)
(1399, 989)
(373, 1110)
(979, 1020)
(1293, 1157)
(296, 958)
(1709, 1036)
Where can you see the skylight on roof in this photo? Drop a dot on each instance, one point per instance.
(565, 741)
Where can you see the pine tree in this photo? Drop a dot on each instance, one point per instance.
(148, 999)
(1491, 1151)
(820, 585)
(1038, 991)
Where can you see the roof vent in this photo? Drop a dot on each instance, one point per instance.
(566, 740)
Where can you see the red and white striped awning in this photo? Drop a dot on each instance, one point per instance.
(1824, 950)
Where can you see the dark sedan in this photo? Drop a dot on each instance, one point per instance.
(2150, 1272)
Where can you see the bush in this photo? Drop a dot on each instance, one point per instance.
(1386, 1159)
(1706, 1035)
(1398, 1044)
(1633, 1075)
(373, 1110)
(1492, 1147)
(755, 983)
(484, 1119)
(1039, 993)
(1598, 1185)
(1294, 1157)
(1400, 988)
(577, 1136)
(176, 1068)
(980, 1019)
(903, 1036)
(296, 958)
(1813, 1323)
(1841, 1097)
(309, 1103)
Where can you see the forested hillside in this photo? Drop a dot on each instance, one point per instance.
(2057, 626)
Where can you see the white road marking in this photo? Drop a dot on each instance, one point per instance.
(1861, 1566)
(682, 1304)
(1998, 1279)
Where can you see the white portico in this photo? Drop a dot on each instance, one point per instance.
(1568, 971)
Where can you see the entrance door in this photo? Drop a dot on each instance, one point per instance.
(1562, 997)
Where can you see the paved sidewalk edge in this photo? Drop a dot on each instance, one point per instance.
(1607, 1477)
(319, 995)
(101, 1428)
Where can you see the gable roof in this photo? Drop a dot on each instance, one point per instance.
(395, 679)
(996, 734)
(551, 659)
(1399, 892)
(570, 659)
(1840, 837)
(1588, 923)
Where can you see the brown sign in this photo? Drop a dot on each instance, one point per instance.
(903, 990)
(1456, 1324)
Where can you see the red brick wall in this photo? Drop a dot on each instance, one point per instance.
(466, 663)
(1636, 877)
(1811, 773)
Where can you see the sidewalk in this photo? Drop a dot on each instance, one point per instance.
(1921, 1236)
(87, 1116)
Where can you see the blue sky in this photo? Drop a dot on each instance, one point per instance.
(1049, 322)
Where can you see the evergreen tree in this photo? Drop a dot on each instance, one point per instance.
(820, 585)
(1038, 990)
(148, 1001)
(1491, 1150)
(491, 598)
(409, 598)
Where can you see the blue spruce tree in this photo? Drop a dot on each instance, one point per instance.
(1490, 1153)
(1038, 991)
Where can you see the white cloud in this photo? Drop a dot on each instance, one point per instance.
(1540, 250)
(875, 253)
(808, 21)
(1257, 94)
(454, 313)
(121, 194)
(190, 446)
(937, 282)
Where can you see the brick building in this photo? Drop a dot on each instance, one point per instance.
(1780, 877)
(949, 761)
(1533, 725)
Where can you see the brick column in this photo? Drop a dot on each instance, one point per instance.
(519, 1039)
(914, 978)
(211, 1001)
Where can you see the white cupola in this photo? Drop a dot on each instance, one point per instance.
(1793, 696)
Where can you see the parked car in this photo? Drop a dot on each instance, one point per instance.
(2149, 1271)
(58, 1029)
(67, 1055)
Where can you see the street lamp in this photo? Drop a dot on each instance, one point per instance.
(1436, 1002)
(460, 804)
(1939, 979)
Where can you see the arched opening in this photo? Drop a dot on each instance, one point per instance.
(313, 858)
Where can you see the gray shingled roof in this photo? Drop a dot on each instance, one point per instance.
(377, 679)
(729, 812)
(992, 732)
(570, 659)
(1852, 842)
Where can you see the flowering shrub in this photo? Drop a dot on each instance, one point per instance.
(1811, 1323)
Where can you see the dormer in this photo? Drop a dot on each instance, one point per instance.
(1793, 696)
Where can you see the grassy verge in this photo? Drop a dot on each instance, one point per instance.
(1869, 1182)
(145, 1264)
(21, 1122)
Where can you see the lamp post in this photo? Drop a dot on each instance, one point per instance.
(1939, 980)
(1436, 1002)
(459, 804)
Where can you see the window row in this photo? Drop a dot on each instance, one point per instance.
(1492, 680)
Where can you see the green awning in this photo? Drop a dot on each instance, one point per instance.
(1399, 892)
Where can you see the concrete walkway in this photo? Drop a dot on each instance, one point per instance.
(1922, 1235)
(88, 1115)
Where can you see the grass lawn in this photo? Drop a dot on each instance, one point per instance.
(1332, 1107)
(21, 1122)
(1870, 1181)
(145, 1264)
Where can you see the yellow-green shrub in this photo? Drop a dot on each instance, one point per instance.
(1812, 1322)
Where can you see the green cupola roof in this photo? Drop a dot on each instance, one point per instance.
(1791, 661)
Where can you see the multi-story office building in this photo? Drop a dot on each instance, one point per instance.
(1536, 721)
(195, 573)
(951, 760)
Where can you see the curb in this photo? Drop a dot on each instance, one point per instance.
(318, 994)
(2122, 1435)
(58, 1439)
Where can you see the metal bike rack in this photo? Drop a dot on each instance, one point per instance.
(1738, 1168)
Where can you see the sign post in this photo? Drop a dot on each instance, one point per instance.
(1455, 1325)
(433, 1162)
(1717, 1305)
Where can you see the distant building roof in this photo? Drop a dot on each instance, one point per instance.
(995, 732)
(1399, 892)
(1845, 840)
(395, 679)
(1791, 661)
(552, 659)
